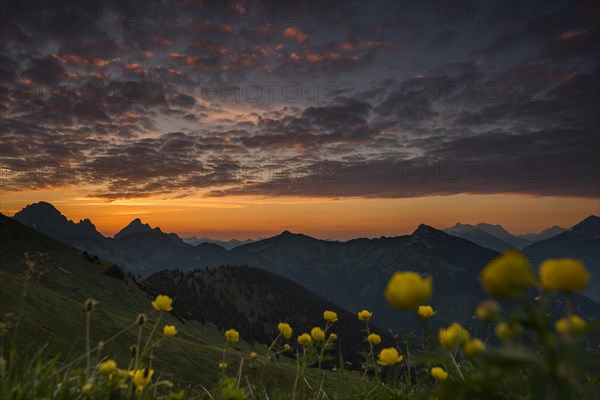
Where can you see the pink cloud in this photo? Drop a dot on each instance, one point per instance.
(295, 34)
(566, 36)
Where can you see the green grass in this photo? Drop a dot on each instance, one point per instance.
(51, 313)
(43, 352)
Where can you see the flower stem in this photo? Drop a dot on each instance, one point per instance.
(144, 352)
(569, 309)
(456, 366)
(371, 356)
(262, 371)
(303, 370)
(321, 354)
(297, 376)
(137, 348)
(223, 358)
(87, 342)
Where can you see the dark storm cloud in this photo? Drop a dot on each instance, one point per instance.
(441, 40)
(396, 100)
(46, 70)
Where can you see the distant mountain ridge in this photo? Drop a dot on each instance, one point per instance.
(497, 238)
(543, 235)
(230, 244)
(352, 274)
(473, 232)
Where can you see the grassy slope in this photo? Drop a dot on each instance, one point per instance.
(52, 312)
(259, 300)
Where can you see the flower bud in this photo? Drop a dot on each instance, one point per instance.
(90, 305)
(133, 350)
(141, 319)
(488, 311)
(507, 331)
(86, 389)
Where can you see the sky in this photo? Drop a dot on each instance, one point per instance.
(335, 119)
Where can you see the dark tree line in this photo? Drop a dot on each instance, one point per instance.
(254, 301)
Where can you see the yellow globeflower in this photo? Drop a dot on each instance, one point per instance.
(333, 337)
(253, 355)
(365, 315)
(317, 334)
(506, 332)
(287, 347)
(285, 329)
(473, 347)
(330, 316)
(407, 290)
(453, 336)
(304, 339)
(86, 389)
(389, 356)
(425, 312)
(108, 367)
(439, 374)
(141, 377)
(508, 275)
(564, 274)
(163, 303)
(232, 336)
(222, 365)
(169, 330)
(572, 324)
(487, 311)
(374, 339)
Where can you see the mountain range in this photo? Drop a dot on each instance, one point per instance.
(230, 244)
(352, 274)
(49, 282)
(497, 238)
(581, 242)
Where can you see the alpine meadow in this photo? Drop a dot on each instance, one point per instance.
(299, 200)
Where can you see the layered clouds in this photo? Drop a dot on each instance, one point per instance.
(349, 99)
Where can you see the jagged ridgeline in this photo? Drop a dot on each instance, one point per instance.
(59, 278)
(251, 300)
(254, 301)
(352, 274)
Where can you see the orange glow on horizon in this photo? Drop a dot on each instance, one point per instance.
(253, 217)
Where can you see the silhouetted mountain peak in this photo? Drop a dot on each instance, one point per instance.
(587, 229)
(135, 226)
(40, 209)
(427, 233)
(85, 222)
(46, 218)
(423, 229)
(288, 234)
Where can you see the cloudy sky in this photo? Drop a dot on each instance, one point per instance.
(336, 119)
